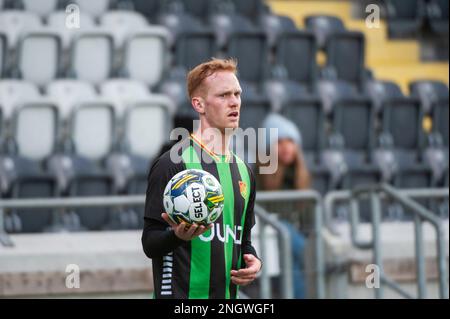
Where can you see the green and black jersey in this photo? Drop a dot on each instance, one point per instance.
(200, 268)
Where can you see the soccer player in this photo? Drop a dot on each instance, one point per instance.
(199, 261)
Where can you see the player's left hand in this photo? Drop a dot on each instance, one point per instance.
(244, 276)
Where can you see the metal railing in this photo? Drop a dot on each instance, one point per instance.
(315, 198)
(77, 202)
(421, 214)
(287, 290)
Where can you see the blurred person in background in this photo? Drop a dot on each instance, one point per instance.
(291, 173)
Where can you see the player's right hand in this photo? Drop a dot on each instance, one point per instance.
(183, 231)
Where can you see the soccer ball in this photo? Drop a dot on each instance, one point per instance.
(193, 196)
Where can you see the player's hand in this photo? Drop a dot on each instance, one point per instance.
(183, 231)
(244, 276)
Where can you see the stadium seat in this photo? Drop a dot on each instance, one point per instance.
(92, 56)
(345, 58)
(402, 120)
(351, 115)
(147, 125)
(429, 92)
(381, 91)
(296, 53)
(201, 9)
(151, 9)
(193, 48)
(437, 13)
(150, 44)
(123, 92)
(92, 134)
(35, 126)
(174, 87)
(255, 107)
(3, 54)
(251, 51)
(68, 94)
(42, 46)
(178, 22)
(404, 18)
(225, 21)
(122, 23)
(13, 93)
(57, 21)
(274, 25)
(40, 7)
(307, 114)
(14, 22)
(322, 26)
(94, 8)
(251, 9)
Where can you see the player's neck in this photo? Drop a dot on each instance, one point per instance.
(217, 143)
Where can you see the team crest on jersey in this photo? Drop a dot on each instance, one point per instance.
(243, 189)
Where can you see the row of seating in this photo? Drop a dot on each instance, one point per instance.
(411, 18)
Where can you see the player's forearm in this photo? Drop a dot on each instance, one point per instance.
(158, 243)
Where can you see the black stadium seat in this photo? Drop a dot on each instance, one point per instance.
(322, 26)
(437, 13)
(345, 57)
(296, 53)
(404, 18)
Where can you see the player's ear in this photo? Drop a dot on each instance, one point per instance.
(198, 104)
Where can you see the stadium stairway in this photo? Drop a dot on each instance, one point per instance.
(393, 60)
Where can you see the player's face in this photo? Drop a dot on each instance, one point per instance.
(222, 100)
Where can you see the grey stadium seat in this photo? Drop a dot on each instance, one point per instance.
(123, 92)
(146, 55)
(42, 46)
(57, 21)
(68, 94)
(14, 22)
(40, 7)
(35, 124)
(92, 56)
(13, 93)
(122, 23)
(92, 134)
(94, 8)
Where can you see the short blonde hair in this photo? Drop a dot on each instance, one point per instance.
(198, 74)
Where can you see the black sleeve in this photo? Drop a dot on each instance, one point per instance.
(158, 238)
(247, 247)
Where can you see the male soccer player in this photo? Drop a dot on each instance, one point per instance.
(199, 261)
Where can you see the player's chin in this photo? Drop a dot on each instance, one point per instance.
(232, 124)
